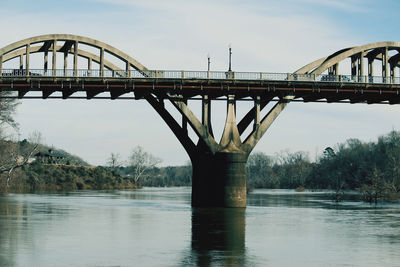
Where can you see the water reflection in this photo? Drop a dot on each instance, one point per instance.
(307, 199)
(218, 236)
(158, 227)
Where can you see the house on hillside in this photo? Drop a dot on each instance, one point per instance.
(49, 157)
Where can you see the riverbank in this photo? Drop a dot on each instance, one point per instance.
(53, 177)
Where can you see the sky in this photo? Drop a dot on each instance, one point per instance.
(268, 36)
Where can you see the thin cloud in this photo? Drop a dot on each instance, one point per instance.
(356, 6)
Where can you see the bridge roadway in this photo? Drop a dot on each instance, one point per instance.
(192, 84)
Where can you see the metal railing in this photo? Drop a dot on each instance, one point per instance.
(213, 75)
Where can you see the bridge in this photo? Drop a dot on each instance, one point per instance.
(219, 167)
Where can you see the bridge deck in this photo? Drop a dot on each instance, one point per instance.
(305, 87)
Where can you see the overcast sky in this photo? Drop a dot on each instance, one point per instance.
(268, 36)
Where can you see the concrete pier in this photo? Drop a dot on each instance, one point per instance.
(219, 180)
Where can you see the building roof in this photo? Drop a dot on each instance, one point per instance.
(50, 153)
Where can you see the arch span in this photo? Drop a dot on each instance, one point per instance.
(370, 52)
(68, 45)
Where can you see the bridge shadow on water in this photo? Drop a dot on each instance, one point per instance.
(218, 237)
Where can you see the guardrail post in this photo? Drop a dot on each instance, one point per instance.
(288, 77)
(1, 65)
(183, 74)
(314, 77)
(261, 76)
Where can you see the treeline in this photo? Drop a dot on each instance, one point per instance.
(160, 176)
(169, 176)
(52, 177)
(373, 168)
(62, 177)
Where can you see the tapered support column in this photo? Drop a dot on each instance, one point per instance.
(206, 113)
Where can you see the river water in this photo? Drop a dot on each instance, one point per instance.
(158, 227)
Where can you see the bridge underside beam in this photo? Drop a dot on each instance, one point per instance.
(114, 94)
(312, 98)
(90, 94)
(66, 93)
(46, 93)
(335, 98)
(394, 100)
(376, 100)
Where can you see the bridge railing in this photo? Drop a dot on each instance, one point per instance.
(215, 75)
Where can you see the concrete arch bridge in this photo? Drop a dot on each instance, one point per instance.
(89, 67)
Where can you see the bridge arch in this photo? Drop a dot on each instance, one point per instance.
(50, 43)
(370, 52)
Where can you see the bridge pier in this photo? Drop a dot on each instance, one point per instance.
(219, 169)
(219, 180)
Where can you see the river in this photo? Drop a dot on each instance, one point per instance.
(158, 227)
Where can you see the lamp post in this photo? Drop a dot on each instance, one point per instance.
(230, 74)
(208, 65)
(230, 58)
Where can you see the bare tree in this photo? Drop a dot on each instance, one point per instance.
(7, 110)
(17, 154)
(114, 160)
(140, 161)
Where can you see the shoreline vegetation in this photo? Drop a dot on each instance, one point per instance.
(372, 169)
